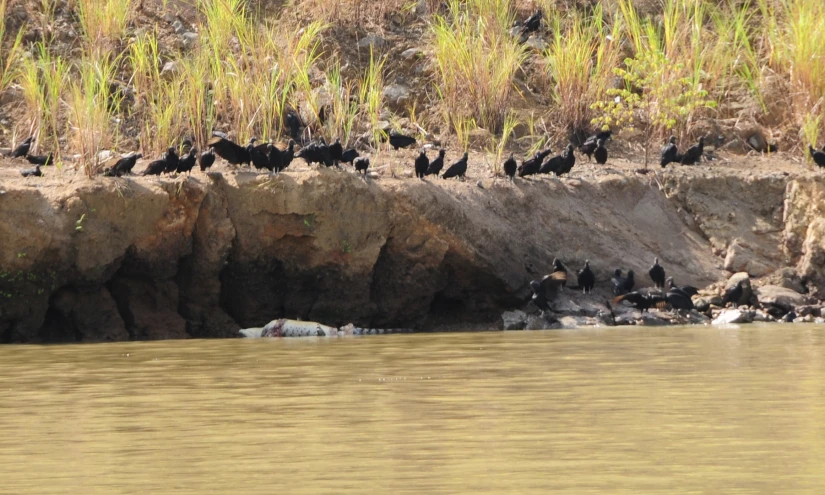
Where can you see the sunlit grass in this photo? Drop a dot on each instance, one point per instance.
(103, 19)
(9, 51)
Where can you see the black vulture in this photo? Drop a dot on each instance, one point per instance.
(207, 159)
(531, 166)
(187, 162)
(31, 172)
(694, 154)
(316, 152)
(600, 153)
(510, 166)
(657, 274)
(531, 24)
(569, 161)
(679, 300)
(230, 151)
(22, 149)
(336, 151)
(40, 159)
(623, 285)
(436, 165)
(817, 156)
(670, 153)
(644, 301)
(421, 165)
(259, 154)
(362, 164)
(349, 156)
(171, 158)
(551, 165)
(687, 290)
(735, 295)
(287, 155)
(590, 144)
(124, 165)
(457, 169)
(560, 271)
(539, 298)
(157, 167)
(586, 278)
(401, 141)
(293, 125)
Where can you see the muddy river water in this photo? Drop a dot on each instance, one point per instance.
(622, 410)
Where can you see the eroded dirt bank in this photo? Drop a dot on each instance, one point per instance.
(148, 258)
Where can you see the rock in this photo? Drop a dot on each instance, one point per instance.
(747, 290)
(741, 258)
(178, 27)
(629, 318)
(93, 316)
(536, 43)
(411, 53)
(578, 322)
(761, 316)
(808, 309)
(541, 323)
(653, 320)
(149, 308)
(730, 316)
(373, 40)
(757, 141)
(514, 320)
(804, 319)
(397, 95)
(104, 155)
(169, 17)
(190, 39)
(785, 277)
(786, 299)
(169, 70)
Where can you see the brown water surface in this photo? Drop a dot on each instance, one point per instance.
(630, 410)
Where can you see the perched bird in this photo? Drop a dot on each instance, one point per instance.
(171, 158)
(559, 272)
(694, 154)
(286, 156)
(227, 149)
(687, 290)
(644, 301)
(551, 165)
(657, 274)
(316, 152)
(531, 166)
(670, 153)
(679, 300)
(531, 24)
(156, 167)
(362, 164)
(31, 172)
(561, 164)
(586, 278)
(336, 151)
(436, 165)
(737, 295)
(293, 124)
(569, 161)
(600, 153)
(187, 162)
(22, 149)
(817, 156)
(124, 165)
(457, 169)
(510, 166)
(259, 154)
(40, 159)
(401, 141)
(591, 143)
(623, 285)
(539, 298)
(207, 159)
(422, 163)
(349, 156)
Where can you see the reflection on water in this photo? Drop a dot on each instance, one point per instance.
(627, 410)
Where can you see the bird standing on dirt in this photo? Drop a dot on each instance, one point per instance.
(817, 156)
(421, 165)
(286, 156)
(22, 149)
(539, 298)
(336, 150)
(510, 166)
(694, 154)
(124, 165)
(40, 159)
(530, 25)
(349, 156)
(586, 278)
(171, 158)
(644, 301)
(259, 154)
(590, 144)
(362, 164)
(31, 172)
(600, 153)
(531, 166)
(207, 159)
(156, 167)
(436, 165)
(293, 125)
(623, 285)
(227, 149)
(457, 169)
(187, 162)
(559, 272)
(687, 290)
(657, 274)
(401, 141)
(670, 153)
(739, 294)
(316, 152)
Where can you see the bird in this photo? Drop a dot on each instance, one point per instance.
(422, 163)
(600, 153)
(207, 159)
(31, 172)
(227, 149)
(316, 152)
(644, 301)
(623, 285)
(185, 146)
(22, 149)
(687, 290)
(539, 298)
(531, 166)
(293, 125)
(569, 161)
(679, 300)
(349, 156)
(457, 169)
(590, 144)
(657, 274)
(259, 154)
(156, 167)
(401, 141)
(362, 164)
(171, 158)
(187, 162)
(735, 295)
(336, 151)
(817, 156)
(586, 278)
(437, 164)
(531, 24)
(286, 156)
(561, 164)
(124, 165)
(40, 159)
(670, 153)
(510, 166)
(559, 272)
(551, 165)
(694, 154)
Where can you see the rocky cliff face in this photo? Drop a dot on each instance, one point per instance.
(201, 256)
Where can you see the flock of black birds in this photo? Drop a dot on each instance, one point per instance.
(664, 295)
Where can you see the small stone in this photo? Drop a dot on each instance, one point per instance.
(411, 52)
(514, 320)
(372, 40)
(804, 319)
(536, 43)
(540, 323)
(734, 316)
(169, 69)
(169, 17)
(190, 39)
(397, 94)
(178, 27)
